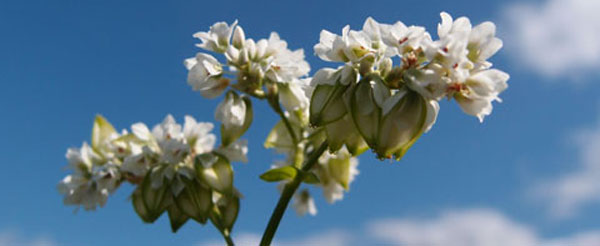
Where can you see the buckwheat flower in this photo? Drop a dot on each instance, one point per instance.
(331, 46)
(336, 172)
(235, 114)
(476, 93)
(198, 136)
(483, 44)
(451, 49)
(401, 39)
(90, 184)
(235, 152)
(287, 66)
(205, 75)
(168, 129)
(304, 203)
(217, 38)
(295, 97)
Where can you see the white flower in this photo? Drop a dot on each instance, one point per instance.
(295, 96)
(91, 182)
(451, 49)
(168, 129)
(304, 203)
(331, 46)
(217, 38)
(483, 43)
(401, 38)
(231, 111)
(198, 136)
(336, 172)
(235, 152)
(205, 75)
(81, 159)
(476, 93)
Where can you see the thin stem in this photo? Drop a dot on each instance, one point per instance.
(227, 237)
(288, 191)
(277, 108)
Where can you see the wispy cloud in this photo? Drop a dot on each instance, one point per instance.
(568, 193)
(12, 238)
(471, 227)
(555, 37)
(463, 227)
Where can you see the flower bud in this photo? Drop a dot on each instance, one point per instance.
(327, 101)
(235, 114)
(365, 104)
(343, 132)
(216, 172)
(194, 200)
(225, 212)
(405, 116)
(238, 37)
(102, 133)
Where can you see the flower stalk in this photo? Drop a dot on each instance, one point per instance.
(288, 191)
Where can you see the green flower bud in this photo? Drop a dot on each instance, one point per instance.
(216, 172)
(194, 200)
(390, 124)
(406, 115)
(343, 132)
(225, 211)
(177, 217)
(327, 102)
(365, 104)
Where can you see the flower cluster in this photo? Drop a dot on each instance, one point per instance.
(254, 65)
(383, 97)
(176, 169)
(371, 102)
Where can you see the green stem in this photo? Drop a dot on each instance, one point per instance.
(288, 191)
(273, 101)
(227, 237)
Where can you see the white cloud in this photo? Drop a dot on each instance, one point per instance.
(473, 227)
(555, 37)
(477, 227)
(327, 238)
(10, 238)
(566, 194)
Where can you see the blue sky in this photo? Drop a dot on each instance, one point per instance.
(530, 167)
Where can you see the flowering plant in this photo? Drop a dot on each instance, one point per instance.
(382, 96)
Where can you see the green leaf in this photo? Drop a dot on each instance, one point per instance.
(195, 201)
(101, 130)
(340, 171)
(311, 178)
(177, 218)
(279, 137)
(278, 174)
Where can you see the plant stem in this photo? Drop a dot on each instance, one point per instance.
(227, 237)
(288, 191)
(277, 108)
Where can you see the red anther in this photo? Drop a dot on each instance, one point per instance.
(456, 87)
(455, 65)
(403, 40)
(445, 49)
